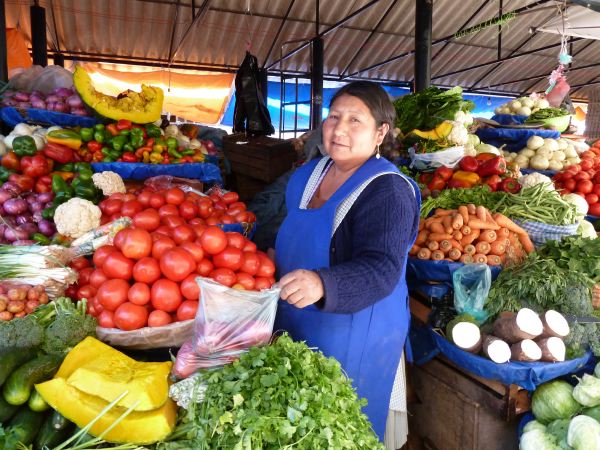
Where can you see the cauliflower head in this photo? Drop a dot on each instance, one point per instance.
(76, 217)
(463, 117)
(532, 179)
(109, 182)
(459, 134)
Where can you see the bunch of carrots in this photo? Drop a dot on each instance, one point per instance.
(471, 234)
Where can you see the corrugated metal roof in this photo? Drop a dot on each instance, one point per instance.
(149, 32)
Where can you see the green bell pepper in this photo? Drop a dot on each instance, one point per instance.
(118, 142)
(124, 132)
(174, 153)
(69, 167)
(111, 154)
(59, 184)
(48, 213)
(5, 173)
(99, 136)
(62, 197)
(188, 152)
(84, 189)
(40, 238)
(172, 143)
(137, 137)
(24, 146)
(128, 148)
(152, 131)
(87, 134)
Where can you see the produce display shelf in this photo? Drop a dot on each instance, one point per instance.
(12, 116)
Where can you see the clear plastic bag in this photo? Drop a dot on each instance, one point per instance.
(161, 182)
(472, 284)
(228, 322)
(44, 79)
(449, 158)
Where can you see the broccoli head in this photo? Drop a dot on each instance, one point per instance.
(21, 333)
(67, 331)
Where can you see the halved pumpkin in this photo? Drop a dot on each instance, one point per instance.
(139, 107)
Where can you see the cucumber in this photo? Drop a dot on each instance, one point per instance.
(59, 421)
(17, 388)
(11, 359)
(26, 425)
(50, 437)
(6, 410)
(36, 402)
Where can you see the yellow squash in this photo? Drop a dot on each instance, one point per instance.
(440, 132)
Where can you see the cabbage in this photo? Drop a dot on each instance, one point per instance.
(537, 439)
(587, 391)
(579, 202)
(559, 429)
(534, 425)
(554, 400)
(597, 370)
(473, 139)
(584, 433)
(594, 412)
(487, 148)
(586, 230)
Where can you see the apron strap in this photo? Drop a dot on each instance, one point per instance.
(313, 182)
(345, 206)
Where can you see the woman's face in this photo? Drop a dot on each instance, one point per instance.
(350, 133)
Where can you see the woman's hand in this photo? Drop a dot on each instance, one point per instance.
(301, 288)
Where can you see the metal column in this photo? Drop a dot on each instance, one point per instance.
(423, 27)
(3, 51)
(38, 35)
(316, 84)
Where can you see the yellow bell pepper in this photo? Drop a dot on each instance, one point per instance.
(65, 137)
(465, 179)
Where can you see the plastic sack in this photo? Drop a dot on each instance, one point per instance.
(44, 79)
(161, 182)
(424, 161)
(147, 338)
(540, 232)
(558, 92)
(228, 322)
(472, 284)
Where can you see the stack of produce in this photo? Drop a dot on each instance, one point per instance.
(566, 417)
(523, 106)
(470, 234)
(18, 300)
(62, 100)
(545, 154)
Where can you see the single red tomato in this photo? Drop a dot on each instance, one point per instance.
(579, 176)
(198, 230)
(101, 253)
(71, 290)
(267, 268)
(172, 221)
(112, 293)
(188, 210)
(194, 249)
(131, 208)
(111, 206)
(146, 270)
(250, 217)
(165, 295)
(570, 184)
(213, 220)
(204, 267)
(105, 319)
(189, 287)
(174, 196)
(116, 265)
(80, 263)
(176, 264)
(594, 210)
(137, 244)
(235, 239)
(183, 233)
(147, 219)
(585, 186)
(224, 276)
(156, 200)
(240, 205)
(220, 206)
(590, 198)
(245, 280)
(213, 240)
(158, 318)
(86, 291)
(230, 258)
(161, 245)
(117, 196)
(168, 210)
(597, 189)
(261, 283)
(196, 221)
(587, 164)
(235, 210)
(129, 316)
(230, 197)
(164, 230)
(187, 310)
(205, 208)
(227, 219)
(120, 238)
(241, 217)
(250, 263)
(144, 198)
(249, 246)
(128, 197)
(97, 277)
(139, 294)
(84, 276)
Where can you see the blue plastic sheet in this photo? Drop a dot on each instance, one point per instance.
(205, 172)
(439, 271)
(514, 138)
(13, 116)
(548, 173)
(525, 374)
(509, 119)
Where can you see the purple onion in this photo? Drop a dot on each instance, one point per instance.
(36, 206)
(9, 102)
(37, 216)
(62, 92)
(30, 228)
(38, 104)
(46, 227)
(79, 112)
(45, 197)
(48, 205)
(15, 206)
(50, 106)
(2, 212)
(36, 93)
(15, 234)
(5, 195)
(12, 187)
(10, 221)
(24, 105)
(74, 101)
(61, 107)
(53, 98)
(23, 219)
(8, 94)
(24, 242)
(21, 97)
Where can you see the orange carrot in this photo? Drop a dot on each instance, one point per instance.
(447, 222)
(526, 243)
(424, 253)
(470, 249)
(497, 247)
(464, 212)
(421, 224)
(457, 221)
(515, 251)
(439, 236)
(471, 208)
(454, 254)
(422, 237)
(457, 235)
(443, 212)
(476, 223)
(494, 260)
(414, 250)
(479, 258)
(503, 232)
(488, 217)
(437, 255)
(445, 245)
(488, 236)
(482, 247)
(433, 245)
(466, 259)
(505, 222)
(465, 230)
(437, 227)
(469, 238)
(480, 212)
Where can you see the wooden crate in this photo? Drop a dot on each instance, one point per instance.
(455, 412)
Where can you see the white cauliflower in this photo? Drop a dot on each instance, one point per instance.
(109, 182)
(536, 178)
(459, 134)
(463, 117)
(76, 217)
(470, 150)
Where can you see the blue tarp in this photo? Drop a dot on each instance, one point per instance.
(13, 116)
(514, 138)
(205, 172)
(509, 119)
(548, 173)
(426, 344)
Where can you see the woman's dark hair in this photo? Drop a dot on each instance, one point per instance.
(375, 97)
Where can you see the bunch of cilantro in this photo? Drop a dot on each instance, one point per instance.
(281, 396)
(575, 253)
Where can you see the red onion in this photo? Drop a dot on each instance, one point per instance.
(74, 101)
(12, 187)
(21, 97)
(61, 107)
(46, 227)
(23, 219)
(37, 216)
(53, 98)
(24, 105)
(8, 94)
(30, 227)
(9, 102)
(36, 93)
(5, 195)
(10, 221)
(2, 212)
(15, 206)
(48, 205)
(15, 234)
(36, 206)
(62, 92)
(38, 104)
(45, 197)
(24, 242)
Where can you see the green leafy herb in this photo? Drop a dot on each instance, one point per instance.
(547, 113)
(575, 253)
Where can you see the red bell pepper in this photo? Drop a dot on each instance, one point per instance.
(112, 129)
(436, 184)
(459, 184)
(425, 177)
(510, 185)
(494, 166)
(123, 124)
(129, 157)
(35, 166)
(43, 184)
(11, 161)
(445, 173)
(493, 182)
(25, 182)
(469, 164)
(94, 146)
(59, 153)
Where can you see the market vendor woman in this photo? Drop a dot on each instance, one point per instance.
(341, 251)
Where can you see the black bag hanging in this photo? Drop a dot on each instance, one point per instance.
(250, 114)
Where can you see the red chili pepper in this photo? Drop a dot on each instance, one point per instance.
(494, 166)
(94, 146)
(112, 129)
(59, 153)
(469, 164)
(445, 173)
(493, 182)
(123, 124)
(510, 185)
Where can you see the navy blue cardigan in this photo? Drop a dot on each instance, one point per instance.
(369, 248)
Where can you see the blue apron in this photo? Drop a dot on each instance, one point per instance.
(368, 343)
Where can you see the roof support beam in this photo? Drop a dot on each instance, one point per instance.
(423, 31)
(371, 34)
(172, 41)
(439, 41)
(332, 28)
(197, 19)
(276, 38)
